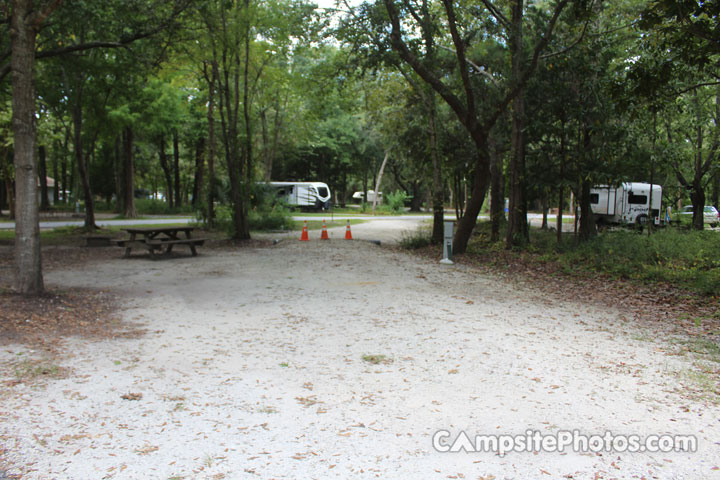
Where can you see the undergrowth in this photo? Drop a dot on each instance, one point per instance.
(684, 258)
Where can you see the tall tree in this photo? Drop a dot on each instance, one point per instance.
(25, 22)
(477, 118)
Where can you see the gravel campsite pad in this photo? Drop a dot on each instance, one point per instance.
(342, 360)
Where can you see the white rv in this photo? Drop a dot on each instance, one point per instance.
(626, 203)
(309, 195)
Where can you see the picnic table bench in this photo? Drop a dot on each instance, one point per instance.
(159, 240)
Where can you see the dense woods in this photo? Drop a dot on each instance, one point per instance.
(191, 102)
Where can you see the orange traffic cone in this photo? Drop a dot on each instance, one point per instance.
(304, 237)
(324, 235)
(348, 234)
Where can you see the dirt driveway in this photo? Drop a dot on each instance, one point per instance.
(342, 360)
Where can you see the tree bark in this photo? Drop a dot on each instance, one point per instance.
(697, 196)
(497, 191)
(176, 169)
(559, 218)
(210, 76)
(128, 171)
(438, 205)
(242, 224)
(379, 180)
(168, 174)
(587, 221)
(118, 165)
(199, 171)
(42, 177)
(28, 263)
(561, 189)
(63, 168)
(56, 195)
(472, 209)
(81, 161)
(517, 232)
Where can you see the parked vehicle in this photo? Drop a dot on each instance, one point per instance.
(710, 215)
(306, 195)
(628, 203)
(360, 196)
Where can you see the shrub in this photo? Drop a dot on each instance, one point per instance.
(420, 238)
(686, 258)
(266, 213)
(151, 206)
(396, 201)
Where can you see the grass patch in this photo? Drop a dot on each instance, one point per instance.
(686, 259)
(30, 369)
(420, 238)
(376, 359)
(709, 349)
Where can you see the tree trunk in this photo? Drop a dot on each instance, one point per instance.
(587, 220)
(199, 171)
(559, 219)
(28, 264)
(3, 196)
(561, 192)
(517, 232)
(379, 179)
(118, 165)
(697, 196)
(81, 163)
(472, 209)
(242, 224)
(545, 208)
(497, 191)
(168, 174)
(176, 168)
(267, 159)
(417, 198)
(438, 205)
(128, 171)
(7, 197)
(42, 175)
(63, 168)
(56, 195)
(211, 149)
(365, 185)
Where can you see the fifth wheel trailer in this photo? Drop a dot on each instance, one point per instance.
(309, 195)
(629, 203)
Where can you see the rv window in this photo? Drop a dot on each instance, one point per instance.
(637, 199)
(594, 198)
(322, 191)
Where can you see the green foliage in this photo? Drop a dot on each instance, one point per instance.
(150, 206)
(266, 214)
(396, 201)
(688, 259)
(420, 238)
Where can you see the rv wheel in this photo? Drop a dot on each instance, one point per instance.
(641, 221)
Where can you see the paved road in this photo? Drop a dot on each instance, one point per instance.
(175, 220)
(532, 217)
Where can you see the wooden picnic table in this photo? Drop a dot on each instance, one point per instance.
(159, 239)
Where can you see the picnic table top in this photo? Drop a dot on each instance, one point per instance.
(159, 229)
